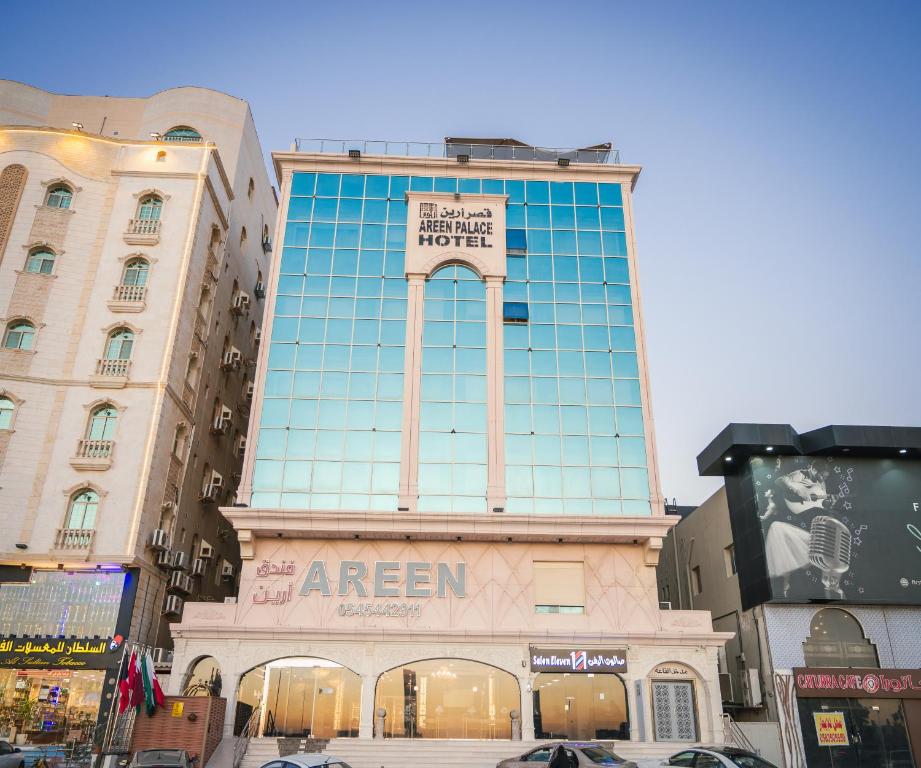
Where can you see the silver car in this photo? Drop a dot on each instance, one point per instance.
(718, 757)
(10, 756)
(307, 761)
(584, 754)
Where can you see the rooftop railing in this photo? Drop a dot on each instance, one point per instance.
(596, 156)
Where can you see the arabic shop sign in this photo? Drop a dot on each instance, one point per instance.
(36, 652)
(858, 683)
(581, 661)
(830, 729)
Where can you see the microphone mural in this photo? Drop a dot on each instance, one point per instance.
(840, 530)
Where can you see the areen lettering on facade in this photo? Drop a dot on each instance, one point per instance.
(386, 578)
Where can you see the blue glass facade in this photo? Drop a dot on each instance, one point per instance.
(330, 430)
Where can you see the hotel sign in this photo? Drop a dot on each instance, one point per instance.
(578, 660)
(462, 225)
(838, 683)
(42, 653)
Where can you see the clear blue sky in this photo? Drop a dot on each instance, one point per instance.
(779, 206)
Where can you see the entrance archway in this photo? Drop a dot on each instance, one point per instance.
(447, 699)
(301, 696)
(580, 706)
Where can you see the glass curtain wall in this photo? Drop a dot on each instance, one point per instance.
(452, 418)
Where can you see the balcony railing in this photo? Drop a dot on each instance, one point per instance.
(106, 367)
(143, 227)
(74, 538)
(129, 293)
(603, 154)
(95, 449)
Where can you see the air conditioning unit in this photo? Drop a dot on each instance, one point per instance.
(249, 389)
(751, 687)
(180, 561)
(173, 605)
(198, 567)
(179, 582)
(159, 539)
(665, 605)
(232, 359)
(240, 303)
(213, 488)
(164, 559)
(222, 420)
(227, 570)
(257, 336)
(241, 446)
(162, 657)
(205, 550)
(259, 289)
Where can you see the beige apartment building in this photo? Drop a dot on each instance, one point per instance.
(135, 234)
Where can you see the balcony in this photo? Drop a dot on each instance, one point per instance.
(200, 327)
(93, 455)
(74, 540)
(143, 232)
(128, 298)
(110, 374)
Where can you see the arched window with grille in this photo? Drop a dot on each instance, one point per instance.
(40, 261)
(59, 196)
(119, 344)
(81, 514)
(182, 133)
(135, 272)
(102, 423)
(150, 207)
(836, 639)
(7, 410)
(20, 334)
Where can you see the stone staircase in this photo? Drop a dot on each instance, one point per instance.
(448, 753)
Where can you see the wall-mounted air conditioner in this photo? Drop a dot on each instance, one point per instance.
(173, 605)
(159, 539)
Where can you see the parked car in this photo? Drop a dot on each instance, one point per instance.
(163, 758)
(718, 757)
(581, 753)
(307, 761)
(10, 756)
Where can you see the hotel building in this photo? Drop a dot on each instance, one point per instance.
(134, 235)
(450, 513)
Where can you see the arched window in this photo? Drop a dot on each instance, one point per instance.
(251, 188)
(149, 208)
(182, 133)
(119, 344)
(102, 423)
(20, 334)
(82, 512)
(135, 272)
(40, 261)
(59, 196)
(242, 236)
(836, 639)
(7, 408)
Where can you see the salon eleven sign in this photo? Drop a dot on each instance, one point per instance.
(830, 729)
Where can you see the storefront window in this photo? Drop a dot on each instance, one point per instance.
(447, 699)
(575, 706)
(61, 604)
(308, 697)
(50, 706)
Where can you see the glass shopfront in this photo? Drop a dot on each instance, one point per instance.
(49, 706)
(580, 706)
(447, 699)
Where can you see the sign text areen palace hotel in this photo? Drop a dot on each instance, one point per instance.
(450, 512)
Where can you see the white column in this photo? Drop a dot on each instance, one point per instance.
(229, 687)
(495, 397)
(527, 708)
(412, 382)
(366, 716)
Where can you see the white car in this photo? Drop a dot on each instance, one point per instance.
(307, 761)
(10, 756)
(718, 757)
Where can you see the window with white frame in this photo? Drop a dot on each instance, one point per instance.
(135, 272)
(119, 344)
(59, 196)
(7, 410)
(82, 512)
(20, 334)
(40, 261)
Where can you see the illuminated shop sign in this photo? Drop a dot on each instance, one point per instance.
(437, 223)
(583, 661)
(837, 683)
(83, 653)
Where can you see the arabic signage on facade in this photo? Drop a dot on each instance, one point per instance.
(578, 660)
(439, 224)
(41, 653)
(830, 730)
(852, 682)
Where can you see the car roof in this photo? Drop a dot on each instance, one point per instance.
(146, 756)
(311, 760)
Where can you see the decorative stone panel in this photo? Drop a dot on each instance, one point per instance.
(30, 295)
(12, 182)
(50, 226)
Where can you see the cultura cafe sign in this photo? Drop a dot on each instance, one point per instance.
(858, 683)
(585, 661)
